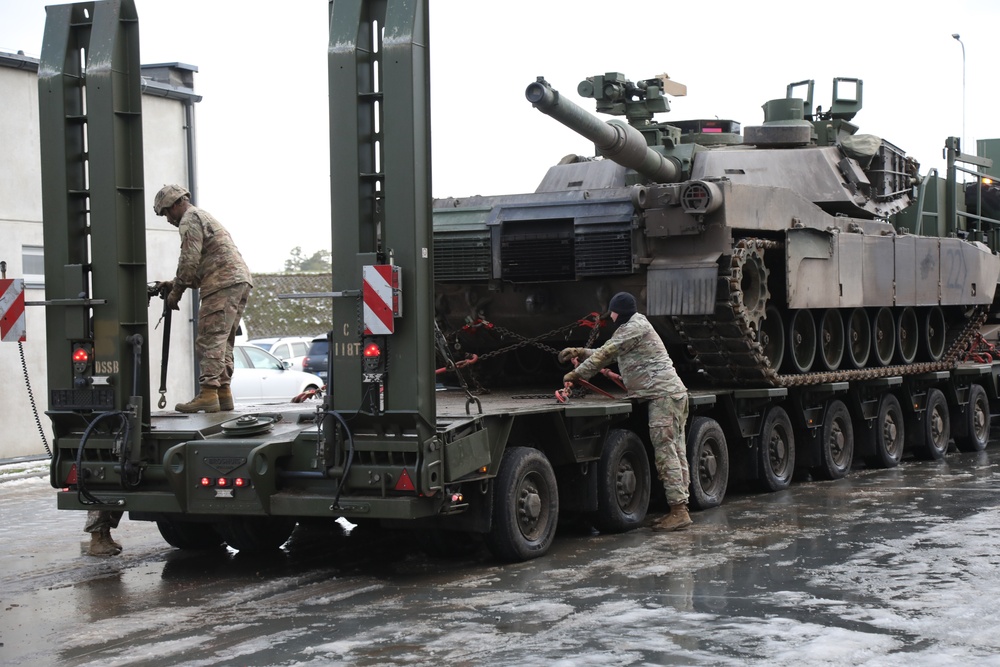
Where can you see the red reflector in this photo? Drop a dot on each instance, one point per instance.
(223, 481)
(372, 350)
(239, 481)
(80, 355)
(206, 481)
(404, 483)
(71, 478)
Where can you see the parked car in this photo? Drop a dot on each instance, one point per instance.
(286, 348)
(259, 376)
(316, 358)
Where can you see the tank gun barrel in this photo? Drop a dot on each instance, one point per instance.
(615, 139)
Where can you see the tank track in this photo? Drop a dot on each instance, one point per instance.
(723, 350)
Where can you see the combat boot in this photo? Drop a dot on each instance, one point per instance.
(678, 519)
(207, 400)
(226, 398)
(101, 544)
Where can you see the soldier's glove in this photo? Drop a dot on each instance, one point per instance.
(572, 353)
(164, 288)
(174, 298)
(572, 376)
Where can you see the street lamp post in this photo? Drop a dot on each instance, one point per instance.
(959, 40)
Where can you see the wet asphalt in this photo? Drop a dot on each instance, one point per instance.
(885, 567)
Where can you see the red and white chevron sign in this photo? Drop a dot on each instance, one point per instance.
(12, 309)
(381, 298)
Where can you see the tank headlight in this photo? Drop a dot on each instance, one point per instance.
(700, 197)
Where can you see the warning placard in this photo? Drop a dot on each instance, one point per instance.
(12, 309)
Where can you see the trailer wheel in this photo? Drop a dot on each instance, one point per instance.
(929, 436)
(972, 427)
(708, 456)
(887, 433)
(256, 534)
(623, 483)
(525, 506)
(837, 443)
(189, 535)
(776, 451)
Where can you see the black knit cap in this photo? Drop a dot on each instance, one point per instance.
(623, 303)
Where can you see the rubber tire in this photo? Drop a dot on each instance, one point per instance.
(888, 446)
(929, 435)
(708, 457)
(776, 437)
(836, 422)
(189, 535)
(521, 466)
(256, 534)
(623, 461)
(972, 425)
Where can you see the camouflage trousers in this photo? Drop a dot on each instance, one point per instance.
(667, 417)
(218, 319)
(98, 520)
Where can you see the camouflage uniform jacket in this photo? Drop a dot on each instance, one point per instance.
(209, 259)
(645, 366)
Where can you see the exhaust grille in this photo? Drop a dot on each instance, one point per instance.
(461, 259)
(604, 254)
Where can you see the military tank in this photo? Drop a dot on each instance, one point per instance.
(765, 257)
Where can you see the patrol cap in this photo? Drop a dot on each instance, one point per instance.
(167, 197)
(623, 303)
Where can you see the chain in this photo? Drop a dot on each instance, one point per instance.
(536, 341)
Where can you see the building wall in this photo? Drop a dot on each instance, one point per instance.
(165, 161)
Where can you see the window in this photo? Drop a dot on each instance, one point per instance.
(33, 264)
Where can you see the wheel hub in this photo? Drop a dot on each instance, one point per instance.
(531, 505)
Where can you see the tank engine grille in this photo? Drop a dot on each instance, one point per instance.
(460, 259)
(604, 253)
(532, 251)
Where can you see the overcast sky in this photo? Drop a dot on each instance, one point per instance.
(263, 154)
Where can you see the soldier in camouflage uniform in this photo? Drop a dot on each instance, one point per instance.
(99, 525)
(648, 373)
(210, 261)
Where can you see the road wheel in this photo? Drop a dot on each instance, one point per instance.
(928, 434)
(189, 535)
(907, 335)
(256, 534)
(887, 433)
(837, 443)
(831, 339)
(801, 341)
(623, 483)
(972, 427)
(883, 336)
(776, 451)
(859, 338)
(772, 337)
(525, 506)
(708, 456)
(932, 334)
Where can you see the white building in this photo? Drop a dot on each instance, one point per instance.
(169, 157)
